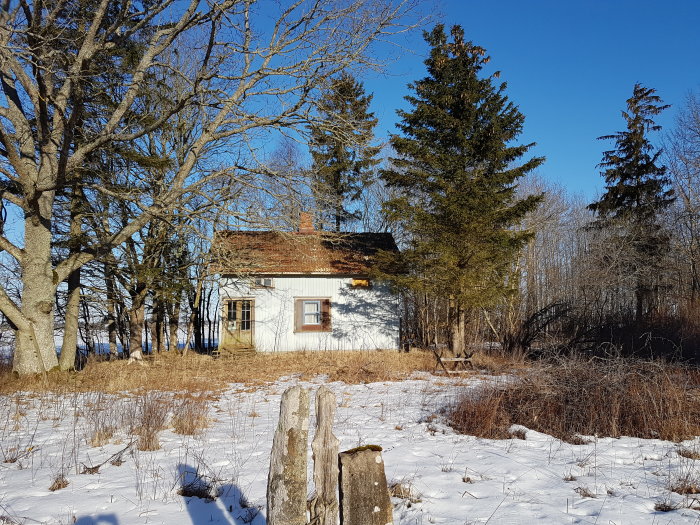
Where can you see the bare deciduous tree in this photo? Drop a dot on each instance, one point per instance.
(256, 71)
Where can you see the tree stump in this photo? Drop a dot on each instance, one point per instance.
(286, 482)
(364, 496)
(324, 507)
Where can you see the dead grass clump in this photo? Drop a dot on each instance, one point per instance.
(587, 397)
(102, 416)
(665, 506)
(404, 490)
(190, 415)
(195, 485)
(585, 492)
(517, 433)
(148, 417)
(686, 485)
(498, 364)
(198, 489)
(689, 453)
(480, 413)
(61, 482)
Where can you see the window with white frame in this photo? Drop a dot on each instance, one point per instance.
(312, 314)
(311, 310)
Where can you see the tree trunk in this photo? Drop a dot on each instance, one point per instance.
(72, 321)
(136, 322)
(194, 322)
(69, 347)
(458, 322)
(160, 325)
(173, 323)
(111, 312)
(35, 350)
(157, 326)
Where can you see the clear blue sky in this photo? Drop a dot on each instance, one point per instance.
(570, 66)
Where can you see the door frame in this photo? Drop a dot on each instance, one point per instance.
(232, 338)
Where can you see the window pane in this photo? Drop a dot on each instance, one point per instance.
(245, 315)
(231, 310)
(312, 312)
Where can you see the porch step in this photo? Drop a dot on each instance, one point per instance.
(233, 351)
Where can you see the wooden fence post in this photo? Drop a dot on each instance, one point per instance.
(324, 507)
(364, 495)
(286, 482)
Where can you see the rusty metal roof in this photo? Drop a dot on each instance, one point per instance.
(296, 253)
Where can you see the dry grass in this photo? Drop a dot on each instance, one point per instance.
(689, 453)
(148, 416)
(102, 416)
(576, 397)
(190, 415)
(585, 492)
(686, 485)
(201, 373)
(60, 482)
(480, 412)
(405, 490)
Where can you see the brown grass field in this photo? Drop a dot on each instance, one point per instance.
(202, 373)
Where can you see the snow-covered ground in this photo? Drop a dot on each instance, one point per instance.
(452, 478)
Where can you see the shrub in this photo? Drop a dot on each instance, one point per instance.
(190, 415)
(148, 417)
(572, 396)
(102, 416)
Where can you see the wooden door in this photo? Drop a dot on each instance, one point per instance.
(238, 320)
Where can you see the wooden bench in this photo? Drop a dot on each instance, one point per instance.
(460, 361)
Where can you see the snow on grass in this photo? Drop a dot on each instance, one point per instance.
(219, 475)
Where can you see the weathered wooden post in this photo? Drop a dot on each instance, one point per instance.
(324, 507)
(364, 495)
(286, 482)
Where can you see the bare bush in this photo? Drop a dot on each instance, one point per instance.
(613, 397)
(190, 415)
(147, 417)
(102, 418)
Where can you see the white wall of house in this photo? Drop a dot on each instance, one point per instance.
(361, 318)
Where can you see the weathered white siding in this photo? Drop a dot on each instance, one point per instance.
(361, 318)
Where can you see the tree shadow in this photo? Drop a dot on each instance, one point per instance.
(216, 503)
(371, 316)
(100, 519)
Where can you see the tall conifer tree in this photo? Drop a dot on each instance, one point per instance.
(341, 148)
(636, 193)
(456, 167)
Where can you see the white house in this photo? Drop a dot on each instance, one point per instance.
(305, 290)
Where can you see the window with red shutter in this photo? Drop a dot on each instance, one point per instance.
(312, 314)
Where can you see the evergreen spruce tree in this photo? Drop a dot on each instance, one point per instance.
(456, 168)
(342, 150)
(637, 191)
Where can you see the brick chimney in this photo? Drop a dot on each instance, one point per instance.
(306, 224)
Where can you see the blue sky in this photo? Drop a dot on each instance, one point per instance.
(570, 66)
